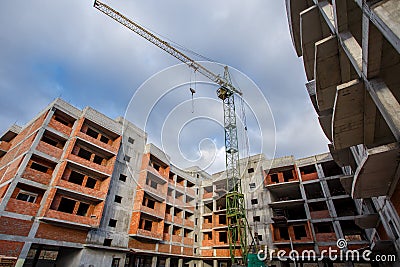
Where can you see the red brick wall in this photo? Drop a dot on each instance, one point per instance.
(10, 248)
(48, 231)
(164, 248)
(11, 226)
(176, 250)
(22, 207)
(133, 243)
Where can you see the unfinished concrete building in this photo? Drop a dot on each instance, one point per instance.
(291, 204)
(80, 189)
(350, 50)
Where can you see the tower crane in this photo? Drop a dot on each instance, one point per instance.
(235, 205)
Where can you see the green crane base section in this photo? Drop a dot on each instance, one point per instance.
(253, 261)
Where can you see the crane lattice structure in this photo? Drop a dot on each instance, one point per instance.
(235, 205)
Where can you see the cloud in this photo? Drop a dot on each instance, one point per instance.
(69, 49)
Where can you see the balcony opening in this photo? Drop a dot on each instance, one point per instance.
(146, 225)
(170, 191)
(195, 238)
(82, 209)
(223, 237)
(221, 203)
(189, 199)
(53, 140)
(168, 209)
(299, 232)
(166, 228)
(151, 183)
(351, 231)
(148, 203)
(292, 213)
(157, 164)
(308, 169)
(313, 190)
(176, 231)
(91, 183)
(288, 193)
(180, 180)
(321, 228)
(39, 167)
(98, 160)
(252, 185)
(317, 206)
(284, 233)
(92, 133)
(118, 199)
(189, 184)
(330, 168)
(207, 236)
(187, 233)
(179, 195)
(256, 219)
(97, 132)
(171, 176)
(336, 188)
(63, 118)
(178, 212)
(112, 223)
(254, 201)
(222, 219)
(83, 153)
(208, 207)
(66, 205)
(345, 207)
(188, 215)
(250, 170)
(274, 178)
(287, 175)
(104, 139)
(76, 178)
(208, 189)
(208, 219)
(260, 237)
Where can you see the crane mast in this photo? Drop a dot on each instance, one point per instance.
(235, 205)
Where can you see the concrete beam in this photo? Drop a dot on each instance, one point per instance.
(377, 172)
(353, 50)
(371, 49)
(386, 16)
(326, 124)
(327, 72)
(348, 115)
(340, 15)
(313, 29)
(293, 10)
(387, 104)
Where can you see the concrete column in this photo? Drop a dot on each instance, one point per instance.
(154, 261)
(167, 262)
(180, 263)
(215, 263)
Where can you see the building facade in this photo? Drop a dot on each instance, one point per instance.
(80, 189)
(350, 51)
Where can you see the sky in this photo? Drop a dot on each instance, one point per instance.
(69, 49)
